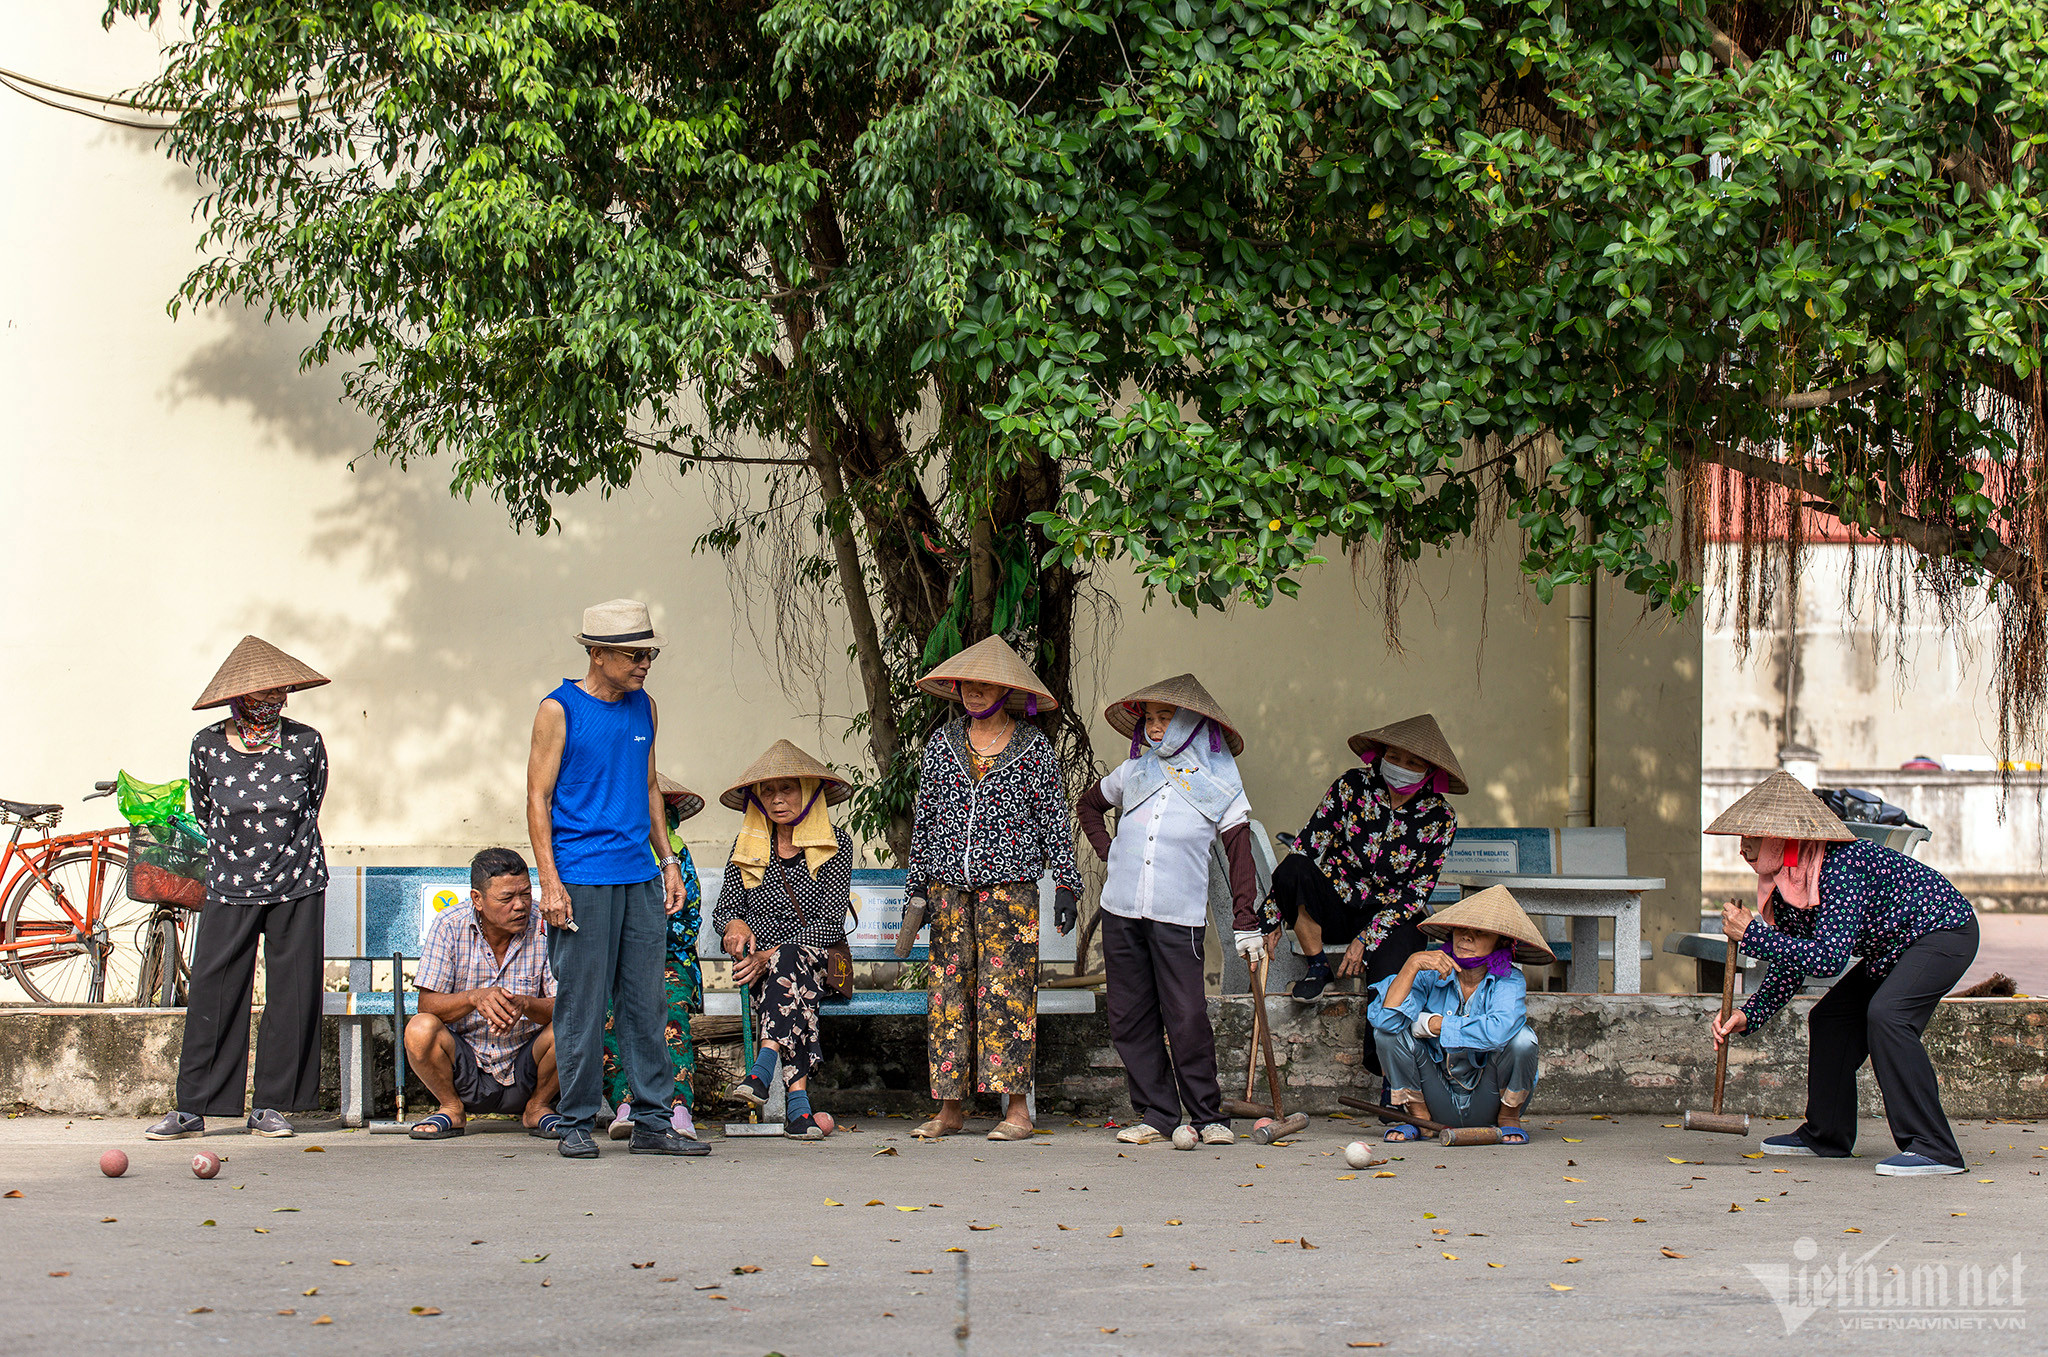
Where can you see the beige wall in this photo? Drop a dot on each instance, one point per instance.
(175, 485)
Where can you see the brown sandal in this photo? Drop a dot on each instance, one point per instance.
(935, 1128)
(1010, 1130)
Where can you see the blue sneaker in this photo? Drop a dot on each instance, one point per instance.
(1914, 1166)
(1791, 1144)
(577, 1144)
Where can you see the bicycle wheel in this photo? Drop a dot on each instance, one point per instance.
(169, 942)
(59, 964)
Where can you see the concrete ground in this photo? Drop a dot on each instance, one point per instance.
(2016, 944)
(845, 1246)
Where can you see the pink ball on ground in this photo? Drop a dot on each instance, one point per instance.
(205, 1164)
(825, 1122)
(1262, 1122)
(114, 1163)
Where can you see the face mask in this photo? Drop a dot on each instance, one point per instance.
(1399, 778)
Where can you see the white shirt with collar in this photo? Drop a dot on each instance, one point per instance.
(1159, 860)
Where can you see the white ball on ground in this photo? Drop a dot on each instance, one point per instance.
(1185, 1138)
(1358, 1154)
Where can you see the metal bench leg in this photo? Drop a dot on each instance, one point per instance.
(1583, 975)
(1628, 947)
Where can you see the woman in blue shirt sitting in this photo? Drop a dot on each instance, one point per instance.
(1452, 1026)
(1825, 897)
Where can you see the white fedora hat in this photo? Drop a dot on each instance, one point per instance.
(623, 622)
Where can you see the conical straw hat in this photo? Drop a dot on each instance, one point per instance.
(989, 661)
(1780, 807)
(688, 803)
(784, 759)
(254, 666)
(1420, 736)
(1496, 911)
(1182, 690)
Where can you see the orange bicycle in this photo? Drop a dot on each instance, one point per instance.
(69, 934)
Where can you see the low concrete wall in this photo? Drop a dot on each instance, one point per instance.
(1601, 1053)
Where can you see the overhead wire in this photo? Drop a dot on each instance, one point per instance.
(86, 112)
(119, 101)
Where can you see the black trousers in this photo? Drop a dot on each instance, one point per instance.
(1298, 884)
(213, 1069)
(1881, 1020)
(1155, 996)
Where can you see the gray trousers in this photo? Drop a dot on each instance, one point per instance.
(1477, 1085)
(613, 958)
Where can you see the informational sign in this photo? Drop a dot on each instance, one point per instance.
(877, 913)
(438, 897)
(1500, 856)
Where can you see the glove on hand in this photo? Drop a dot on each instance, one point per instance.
(1064, 911)
(1249, 942)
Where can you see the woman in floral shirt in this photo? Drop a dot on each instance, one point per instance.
(1823, 897)
(1366, 861)
(991, 820)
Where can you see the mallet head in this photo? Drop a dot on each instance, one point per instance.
(1727, 1123)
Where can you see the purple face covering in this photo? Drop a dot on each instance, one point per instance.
(1030, 705)
(1498, 963)
(1215, 738)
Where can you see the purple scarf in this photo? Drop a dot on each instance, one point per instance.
(1498, 963)
(1030, 705)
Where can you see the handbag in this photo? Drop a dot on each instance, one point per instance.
(838, 977)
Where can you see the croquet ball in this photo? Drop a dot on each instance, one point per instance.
(114, 1163)
(1184, 1138)
(205, 1164)
(1262, 1123)
(825, 1122)
(1358, 1154)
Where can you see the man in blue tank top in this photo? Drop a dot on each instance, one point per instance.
(607, 880)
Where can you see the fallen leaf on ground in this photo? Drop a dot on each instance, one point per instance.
(1733, 1207)
(1346, 1177)
(1196, 1267)
(919, 1271)
(1570, 1140)
(1575, 1180)
(109, 1220)
(984, 1227)
(910, 1208)
(715, 1296)
(1953, 1213)
(886, 1149)
(1452, 1256)
(260, 1230)
(1640, 1221)
(16, 1193)
(316, 1149)
(1117, 1233)
(877, 1202)
(1369, 1345)
(1496, 1264)
(547, 1281)
(324, 1319)
(1756, 1154)
(668, 1279)
(1852, 1230)
(287, 1312)
(1173, 1222)
(310, 1291)
(276, 1209)
(206, 1222)
(745, 1269)
(1383, 1173)
(816, 1261)
(1572, 1260)
(641, 1267)
(1559, 1286)
(195, 1310)
(1671, 1253)
(426, 1310)
(1100, 1329)
(1305, 1244)
(343, 1262)
(956, 1250)
(830, 1202)
(537, 1258)
(1063, 1227)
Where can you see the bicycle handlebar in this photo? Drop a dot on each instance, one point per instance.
(100, 789)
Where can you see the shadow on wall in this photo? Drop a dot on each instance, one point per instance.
(441, 626)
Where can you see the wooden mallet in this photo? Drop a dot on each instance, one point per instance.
(1446, 1135)
(1245, 1107)
(1727, 1123)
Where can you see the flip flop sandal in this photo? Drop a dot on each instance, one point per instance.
(1403, 1132)
(1513, 1135)
(440, 1126)
(1010, 1130)
(549, 1127)
(935, 1128)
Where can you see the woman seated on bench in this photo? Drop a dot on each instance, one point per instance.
(1452, 1027)
(782, 904)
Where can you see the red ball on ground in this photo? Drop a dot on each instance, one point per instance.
(1261, 1122)
(114, 1163)
(825, 1122)
(205, 1164)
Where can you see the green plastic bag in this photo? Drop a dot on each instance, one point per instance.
(149, 803)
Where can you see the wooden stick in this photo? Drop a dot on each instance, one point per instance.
(1266, 1043)
(1727, 1006)
(1391, 1115)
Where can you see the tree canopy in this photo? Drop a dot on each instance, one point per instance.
(957, 299)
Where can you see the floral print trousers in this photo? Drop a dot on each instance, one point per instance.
(785, 1002)
(983, 1029)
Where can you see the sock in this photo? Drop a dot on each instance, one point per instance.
(764, 1065)
(1318, 965)
(797, 1104)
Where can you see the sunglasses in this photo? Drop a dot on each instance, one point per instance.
(638, 656)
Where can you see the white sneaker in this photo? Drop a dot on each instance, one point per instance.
(1141, 1134)
(1216, 1133)
(622, 1125)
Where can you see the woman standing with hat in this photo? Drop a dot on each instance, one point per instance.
(257, 780)
(991, 819)
(1176, 795)
(781, 907)
(681, 976)
(1452, 1025)
(1825, 896)
(1366, 861)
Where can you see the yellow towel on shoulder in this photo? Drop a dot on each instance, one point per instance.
(757, 836)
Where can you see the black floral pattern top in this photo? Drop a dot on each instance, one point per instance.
(1010, 825)
(767, 909)
(262, 814)
(1377, 857)
(1873, 903)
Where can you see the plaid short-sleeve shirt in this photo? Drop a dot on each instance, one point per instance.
(455, 957)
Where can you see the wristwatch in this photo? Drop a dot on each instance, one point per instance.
(671, 861)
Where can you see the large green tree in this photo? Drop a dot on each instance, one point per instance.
(956, 297)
